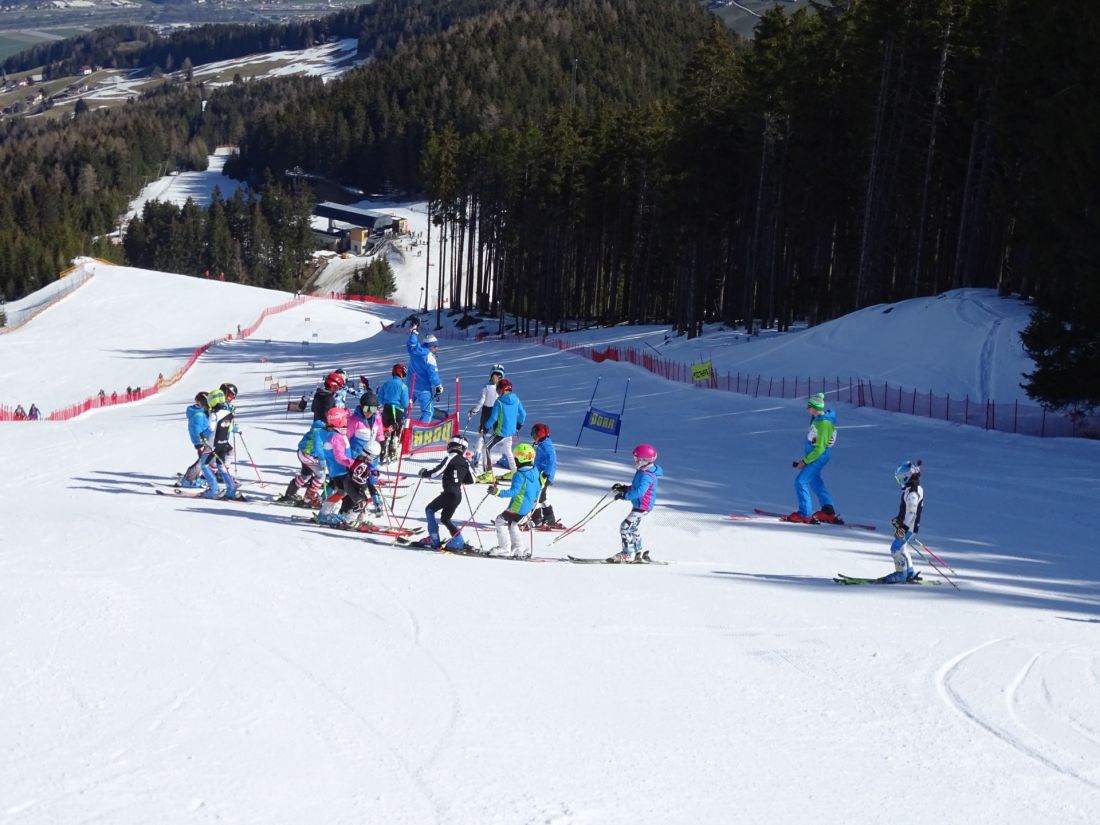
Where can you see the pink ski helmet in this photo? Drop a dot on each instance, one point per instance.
(337, 417)
(645, 454)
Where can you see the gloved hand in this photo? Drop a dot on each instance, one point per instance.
(482, 431)
(797, 464)
(619, 488)
(899, 527)
(473, 410)
(438, 393)
(620, 495)
(425, 472)
(493, 490)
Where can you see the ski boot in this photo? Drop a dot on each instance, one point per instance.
(622, 557)
(797, 518)
(828, 515)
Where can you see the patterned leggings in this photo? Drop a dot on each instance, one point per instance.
(630, 531)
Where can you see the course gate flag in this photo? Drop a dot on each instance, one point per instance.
(702, 372)
(434, 435)
(602, 421)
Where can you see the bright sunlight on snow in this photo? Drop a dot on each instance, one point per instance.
(170, 660)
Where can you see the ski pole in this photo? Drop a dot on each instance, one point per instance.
(248, 453)
(583, 519)
(473, 513)
(477, 532)
(587, 518)
(412, 498)
(917, 542)
(933, 565)
(466, 426)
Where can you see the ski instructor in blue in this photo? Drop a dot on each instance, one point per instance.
(429, 387)
(819, 448)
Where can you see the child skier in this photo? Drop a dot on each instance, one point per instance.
(221, 421)
(642, 494)
(324, 399)
(361, 486)
(198, 429)
(504, 422)
(312, 472)
(484, 405)
(332, 445)
(455, 471)
(523, 494)
(906, 523)
(546, 462)
(393, 398)
(819, 448)
(365, 424)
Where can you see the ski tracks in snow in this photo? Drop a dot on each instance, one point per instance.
(1049, 701)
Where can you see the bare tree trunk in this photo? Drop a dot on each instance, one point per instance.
(928, 161)
(872, 172)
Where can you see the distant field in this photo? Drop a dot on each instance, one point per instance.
(15, 41)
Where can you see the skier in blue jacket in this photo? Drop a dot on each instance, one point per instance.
(522, 495)
(428, 388)
(504, 422)
(201, 434)
(393, 398)
(546, 462)
(642, 495)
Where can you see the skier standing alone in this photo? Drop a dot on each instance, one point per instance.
(819, 448)
(906, 523)
(642, 495)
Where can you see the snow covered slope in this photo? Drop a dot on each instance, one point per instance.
(178, 661)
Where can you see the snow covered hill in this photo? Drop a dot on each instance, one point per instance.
(169, 660)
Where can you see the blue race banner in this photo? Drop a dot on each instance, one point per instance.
(608, 423)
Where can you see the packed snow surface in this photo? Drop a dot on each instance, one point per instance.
(180, 661)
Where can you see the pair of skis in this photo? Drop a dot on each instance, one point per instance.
(770, 514)
(840, 578)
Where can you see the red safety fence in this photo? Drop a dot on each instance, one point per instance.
(116, 397)
(367, 299)
(1010, 417)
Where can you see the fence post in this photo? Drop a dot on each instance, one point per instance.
(1043, 424)
(770, 386)
(966, 409)
(783, 389)
(1015, 414)
(947, 409)
(757, 387)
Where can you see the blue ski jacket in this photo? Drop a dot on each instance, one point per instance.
(308, 442)
(394, 392)
(546, 459)
(524, 491)
(198, 425)
(422, 363)
(643, 488)
(507, 415)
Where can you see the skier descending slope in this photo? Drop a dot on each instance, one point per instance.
(642, 495)
(455, 470)
(818, 450)
(907, 522)
(523, 494)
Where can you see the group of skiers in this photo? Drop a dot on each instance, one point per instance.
(341, 454)
(34, 414)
